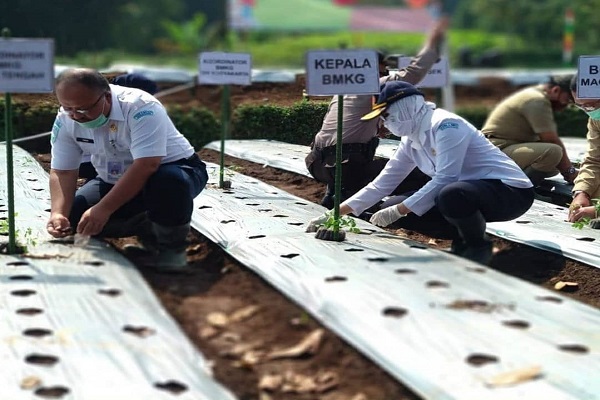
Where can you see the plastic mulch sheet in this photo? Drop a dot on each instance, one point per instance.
(81, 323)
(544, 226)
(446, 327)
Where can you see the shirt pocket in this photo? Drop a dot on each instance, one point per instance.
(87, 148)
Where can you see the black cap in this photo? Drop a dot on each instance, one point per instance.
(138, 81)
(391, 92)
(563, 82)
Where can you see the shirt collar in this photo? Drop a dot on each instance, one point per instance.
(116, 113)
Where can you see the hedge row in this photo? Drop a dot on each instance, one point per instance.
(299, 123)
(295, 124)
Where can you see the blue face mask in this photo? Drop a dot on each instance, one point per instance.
(95, 123)
(594, 114)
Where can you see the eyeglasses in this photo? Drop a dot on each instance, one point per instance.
(588, 107)
(82, 110)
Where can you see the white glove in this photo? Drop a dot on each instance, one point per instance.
(386, 216)
(313, 224)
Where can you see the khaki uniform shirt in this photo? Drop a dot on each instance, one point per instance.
(588, 179)
(520, 118)
(356, 106)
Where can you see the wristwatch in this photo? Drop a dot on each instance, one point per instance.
(571, 170)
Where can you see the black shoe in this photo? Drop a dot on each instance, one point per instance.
(458, 247)
(481, 253)
(328, 201)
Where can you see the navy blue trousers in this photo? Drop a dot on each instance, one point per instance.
(495, 200)
(167, 197)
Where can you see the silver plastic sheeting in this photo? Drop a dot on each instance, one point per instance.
(81, 323)
(270, 153)
(544, 226)
(440, 324)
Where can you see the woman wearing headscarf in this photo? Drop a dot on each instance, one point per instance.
(472, 183)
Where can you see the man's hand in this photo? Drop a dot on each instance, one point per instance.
(386, 216)
(93, 220)
(577, 212)
(58, 226)
(581, 199)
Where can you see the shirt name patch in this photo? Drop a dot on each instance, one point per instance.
(448, 125)
(142, 114)
(84, 140)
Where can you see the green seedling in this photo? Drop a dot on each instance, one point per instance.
(344, 222)
(28, 236)
(327, 230)
(581, 223)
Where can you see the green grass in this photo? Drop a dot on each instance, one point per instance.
(289, 49)
(307, 14)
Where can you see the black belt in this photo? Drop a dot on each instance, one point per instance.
(346, 148)
(193, 160)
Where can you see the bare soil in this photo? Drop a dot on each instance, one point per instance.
(235, 318)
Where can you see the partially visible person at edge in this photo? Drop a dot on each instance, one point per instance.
(472, 183)
(148, 172)
(132, 80)
(587, 183)
(523, 127)
(360, 138)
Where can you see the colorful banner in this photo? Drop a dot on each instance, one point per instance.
(329, 15)
(568, 36)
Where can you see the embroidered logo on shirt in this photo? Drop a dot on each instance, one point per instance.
(113, 127)
(142, 114)
(448, 125)
(55, 129)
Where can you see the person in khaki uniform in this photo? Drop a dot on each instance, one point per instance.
(523, 127)
(587, 183)
(361, 138)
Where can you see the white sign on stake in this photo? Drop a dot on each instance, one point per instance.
(588, 77)
(26, 65)
(219, 68)
(339, 72)
(437, 77)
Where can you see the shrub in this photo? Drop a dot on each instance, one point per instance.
(29, 119)
(198, 125)
(295, 124)
(259, 122)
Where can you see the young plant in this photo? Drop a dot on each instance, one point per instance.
(28, 236)
(344, 222)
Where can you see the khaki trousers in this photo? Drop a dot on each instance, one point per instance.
(540, 156)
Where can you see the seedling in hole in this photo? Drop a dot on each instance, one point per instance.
(327, 230)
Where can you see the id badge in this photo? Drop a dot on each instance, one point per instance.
(114, 169)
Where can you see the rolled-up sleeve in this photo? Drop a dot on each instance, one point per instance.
(588, 179)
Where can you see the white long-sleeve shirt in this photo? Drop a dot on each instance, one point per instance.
(453, 150)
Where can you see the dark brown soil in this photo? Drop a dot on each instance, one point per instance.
(220, 286)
